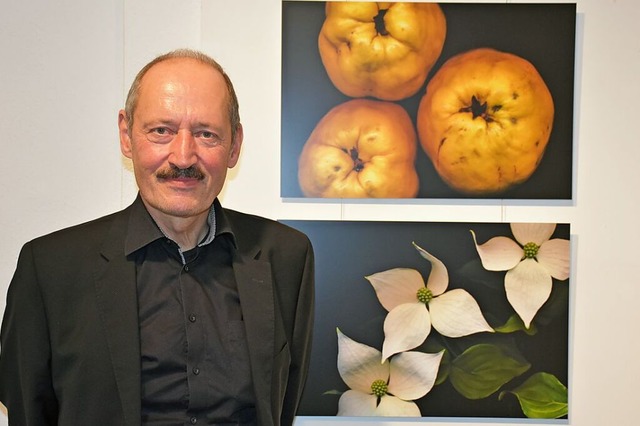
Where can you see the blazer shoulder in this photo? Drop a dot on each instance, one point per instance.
(249, 226)
(79, 239)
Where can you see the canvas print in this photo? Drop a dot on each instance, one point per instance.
(427, 100)
(439, 320)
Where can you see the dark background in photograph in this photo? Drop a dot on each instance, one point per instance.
(346, 252)
(543, 34)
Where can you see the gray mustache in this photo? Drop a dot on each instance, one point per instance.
(174, 172)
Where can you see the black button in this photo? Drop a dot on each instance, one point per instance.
(196, 370)
(186, 268)
(193, 420)
(192, 318)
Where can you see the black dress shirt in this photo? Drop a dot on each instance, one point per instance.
(194, 356)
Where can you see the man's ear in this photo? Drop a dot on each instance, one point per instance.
(125, 139)
(234, 150)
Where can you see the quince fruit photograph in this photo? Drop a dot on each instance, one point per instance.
(487, 89)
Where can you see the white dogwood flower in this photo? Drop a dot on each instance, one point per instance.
(414, 307)
(383, 388)
(531, 262)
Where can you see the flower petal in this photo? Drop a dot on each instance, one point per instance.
(554, 255)
(359, 365)
(499, 253)
(528, 286)
(412, 374)
(396, 286)
(395, 407)
(439, 276)
(536, 233)
(405, 327)
(355, 403)
(456, 313)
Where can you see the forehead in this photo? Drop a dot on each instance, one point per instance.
(182, 76)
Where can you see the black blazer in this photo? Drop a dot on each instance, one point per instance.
(70, 339)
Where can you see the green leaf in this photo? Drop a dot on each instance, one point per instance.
(513, 324)
(542, 396)
(482, 369)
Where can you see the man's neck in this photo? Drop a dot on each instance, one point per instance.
(187, 232)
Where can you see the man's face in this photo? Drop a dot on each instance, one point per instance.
(180, 143)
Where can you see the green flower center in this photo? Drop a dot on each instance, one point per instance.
(379, 388)
(424, 295)
(531, 250)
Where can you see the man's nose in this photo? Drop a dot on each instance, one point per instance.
(183, 149)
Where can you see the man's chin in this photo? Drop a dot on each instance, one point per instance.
(185, 211)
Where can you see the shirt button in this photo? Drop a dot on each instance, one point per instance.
(192, 318)
(193, 420)
(186, 268)
(196, 370)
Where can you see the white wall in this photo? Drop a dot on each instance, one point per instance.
(64, 69)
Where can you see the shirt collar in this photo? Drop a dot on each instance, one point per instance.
(143, 230)
(223, 226)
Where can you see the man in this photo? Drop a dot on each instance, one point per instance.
(174, 310)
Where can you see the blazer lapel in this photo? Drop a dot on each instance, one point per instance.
(255, 290)
(117, 301)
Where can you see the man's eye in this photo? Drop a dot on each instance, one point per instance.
(207, 135)
(160, 134)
